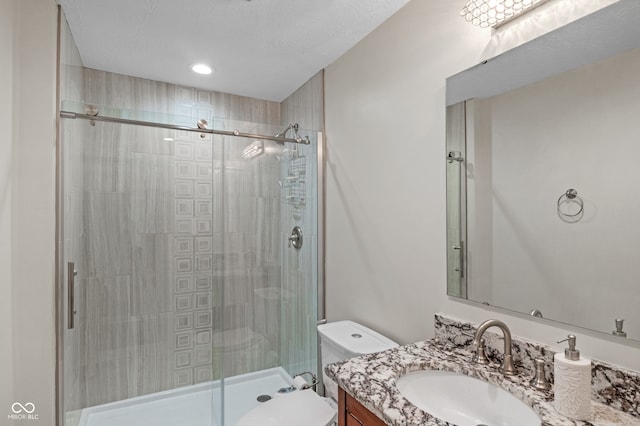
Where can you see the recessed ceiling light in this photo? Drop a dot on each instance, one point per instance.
(202, 69)
(167, 139)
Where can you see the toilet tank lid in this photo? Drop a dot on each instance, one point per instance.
(355, 337)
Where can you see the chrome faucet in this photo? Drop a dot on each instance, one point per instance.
(506, 367)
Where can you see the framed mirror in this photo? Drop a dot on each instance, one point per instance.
(543, 176)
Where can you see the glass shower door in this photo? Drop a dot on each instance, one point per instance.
(183, 299)
(300, 280)
(136, 227)
(269, 287)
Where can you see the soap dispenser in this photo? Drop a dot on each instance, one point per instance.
(572, 382)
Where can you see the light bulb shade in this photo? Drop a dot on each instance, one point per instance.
(492, 13)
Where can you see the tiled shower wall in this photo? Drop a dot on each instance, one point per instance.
(298, 345)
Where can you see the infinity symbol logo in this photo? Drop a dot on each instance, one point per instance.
(18, 408)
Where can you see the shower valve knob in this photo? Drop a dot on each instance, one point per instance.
(295, 239)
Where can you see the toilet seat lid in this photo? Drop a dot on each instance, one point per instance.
(302, 407)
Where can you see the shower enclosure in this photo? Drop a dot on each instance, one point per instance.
(183, 296)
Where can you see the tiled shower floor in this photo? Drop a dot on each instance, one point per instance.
(196, 405)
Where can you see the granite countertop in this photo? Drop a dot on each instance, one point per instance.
(371, 379)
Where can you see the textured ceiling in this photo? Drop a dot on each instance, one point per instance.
(261, 48)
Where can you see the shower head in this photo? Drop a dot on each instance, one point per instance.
(253, 150)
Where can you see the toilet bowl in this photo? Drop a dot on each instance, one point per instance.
(338, 341)
(301, 407)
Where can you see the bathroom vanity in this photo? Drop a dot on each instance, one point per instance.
(369, 395)
(517, 142)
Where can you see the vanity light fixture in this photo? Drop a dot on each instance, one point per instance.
(203, 69)
(493, 13)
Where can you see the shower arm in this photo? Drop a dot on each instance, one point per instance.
(297, 138)
(277, 138)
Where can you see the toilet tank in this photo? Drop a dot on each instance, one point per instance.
(342, 340)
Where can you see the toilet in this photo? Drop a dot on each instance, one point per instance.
(338, 341)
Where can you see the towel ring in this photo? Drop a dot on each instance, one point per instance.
(570, 195)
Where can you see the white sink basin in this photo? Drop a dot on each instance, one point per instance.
(464, 400)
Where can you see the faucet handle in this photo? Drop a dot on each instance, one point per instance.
(480, 357)
(539, 380)
(618, 331)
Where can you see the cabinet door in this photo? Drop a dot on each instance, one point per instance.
(352, 413)
(352, 421)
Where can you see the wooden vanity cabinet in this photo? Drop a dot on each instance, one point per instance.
(352, 413)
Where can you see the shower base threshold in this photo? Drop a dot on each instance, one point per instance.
(195, 405)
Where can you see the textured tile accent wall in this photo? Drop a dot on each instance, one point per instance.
(192, 282)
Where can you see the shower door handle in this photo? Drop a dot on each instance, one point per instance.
(71, 280)
(460, 268)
